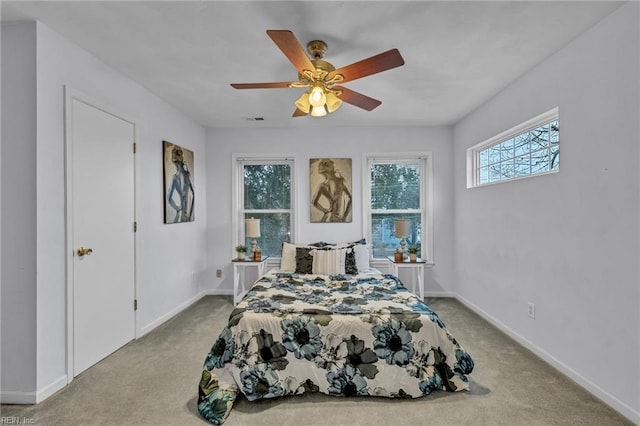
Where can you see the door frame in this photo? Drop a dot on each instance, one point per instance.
(71, 94)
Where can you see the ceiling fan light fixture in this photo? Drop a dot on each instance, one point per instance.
(317, 97)
(333, 102)
(303, 103)
(318, 111)
(320, 77)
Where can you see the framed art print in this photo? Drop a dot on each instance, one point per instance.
(179, 195)
(330, 180)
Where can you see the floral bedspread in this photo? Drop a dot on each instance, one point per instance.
(340, 335)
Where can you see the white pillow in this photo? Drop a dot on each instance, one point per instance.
(288, 261)
(328, 262)
(362, 257)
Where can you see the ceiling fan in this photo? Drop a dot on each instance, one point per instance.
(322, 79)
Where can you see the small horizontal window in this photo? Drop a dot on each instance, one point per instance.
(529, 149)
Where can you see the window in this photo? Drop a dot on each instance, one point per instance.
(265, 191)
(530, 149)
(398, 188)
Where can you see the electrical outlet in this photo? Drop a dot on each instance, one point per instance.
(218, 273)
(531, 310)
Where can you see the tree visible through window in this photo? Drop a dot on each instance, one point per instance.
(396, 192)
(267, 196)
(529, 149)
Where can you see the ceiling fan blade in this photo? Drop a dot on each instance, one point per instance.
(358, 99)
(299, 113)
(279, 85)
(375, 64)
(290, 46)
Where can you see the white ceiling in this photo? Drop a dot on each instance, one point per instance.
(457, 54)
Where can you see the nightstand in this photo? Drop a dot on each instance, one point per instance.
(417, 269)
(239, 267)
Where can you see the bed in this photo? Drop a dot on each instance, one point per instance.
(301, 328)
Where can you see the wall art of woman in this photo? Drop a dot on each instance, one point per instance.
(330, 189)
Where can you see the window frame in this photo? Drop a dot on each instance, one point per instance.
(473, 153)
(425, 160)
(237, 204)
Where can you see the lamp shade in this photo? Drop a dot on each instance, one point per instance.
(318, 111)
(252, 228)
(317, 97)
(303, 103)
(333, 102)
(402, 228)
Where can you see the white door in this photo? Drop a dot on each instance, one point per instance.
(102, 164)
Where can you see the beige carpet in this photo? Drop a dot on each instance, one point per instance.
(153, 381)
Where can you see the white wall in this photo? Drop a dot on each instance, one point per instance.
(18, 200)
(567, 242)
(322, 142)
(169, 258)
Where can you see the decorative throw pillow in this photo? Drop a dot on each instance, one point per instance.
(288, 258)
(362, 257)
(304, 260)
(356, 257)
(350, 262)
(321, 244)
(329, 262)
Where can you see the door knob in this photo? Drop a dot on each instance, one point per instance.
(84, 251)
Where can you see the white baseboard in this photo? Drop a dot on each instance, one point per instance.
(11, 397)
(51, 388)
(218, 292)
(439, 294)
(166, 317)
(586, 384)
(30, 398)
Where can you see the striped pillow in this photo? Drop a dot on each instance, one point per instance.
(329, 262)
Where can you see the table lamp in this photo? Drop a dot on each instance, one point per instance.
(252, 230)
(402, 232)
